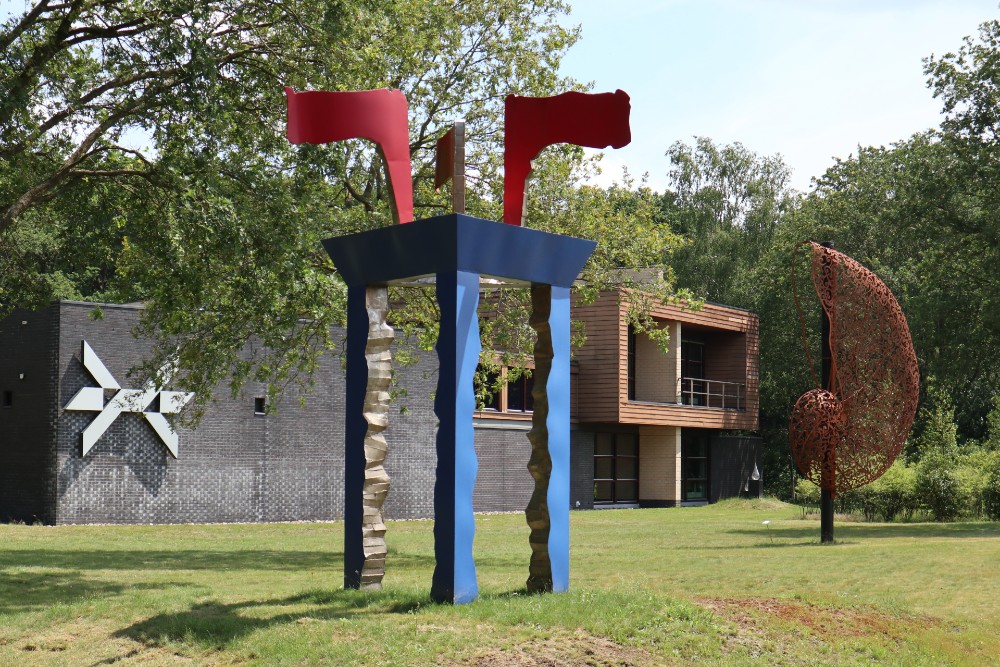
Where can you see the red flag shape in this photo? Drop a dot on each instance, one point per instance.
(532, 123)
(319, 117)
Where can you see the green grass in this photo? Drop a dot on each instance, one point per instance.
(710, 585)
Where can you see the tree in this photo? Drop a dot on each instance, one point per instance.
(217, 226)
(733, 206)
(728, 202)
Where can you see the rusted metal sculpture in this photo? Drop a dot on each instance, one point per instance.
(845, 435)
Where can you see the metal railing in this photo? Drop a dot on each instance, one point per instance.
(713, 393)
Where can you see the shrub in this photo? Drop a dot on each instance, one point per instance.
(973, 473)
(806, 493)
(938, 486)
(891, 496)
(991, 492)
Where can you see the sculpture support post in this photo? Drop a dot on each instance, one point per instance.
(355, 428)
(366, 483)
(826, 494)
(458, 249)
(548, 510)
(458, 348)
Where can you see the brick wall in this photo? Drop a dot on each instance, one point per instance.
(659, 465)
(236, 466)
(27, 382)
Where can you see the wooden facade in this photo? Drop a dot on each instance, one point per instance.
(730, 339)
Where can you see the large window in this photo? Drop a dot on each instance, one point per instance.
(693, 390)
(616, 468)
(694, 468)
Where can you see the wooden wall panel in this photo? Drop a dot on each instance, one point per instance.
(602, 383)
(602, 360)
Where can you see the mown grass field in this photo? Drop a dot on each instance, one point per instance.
(710, 585)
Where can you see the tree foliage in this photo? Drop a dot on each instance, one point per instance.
(216, 225)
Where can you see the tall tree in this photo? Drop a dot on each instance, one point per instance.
(217, 225)
(727, 201)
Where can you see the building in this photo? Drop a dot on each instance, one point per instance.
(649, 429)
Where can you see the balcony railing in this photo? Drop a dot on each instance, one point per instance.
(713, 393)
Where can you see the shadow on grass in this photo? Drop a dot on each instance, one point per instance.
(173, 559)
(216, 624)
(29, 591)
(854, 532)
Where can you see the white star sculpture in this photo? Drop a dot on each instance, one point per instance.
(91, 399)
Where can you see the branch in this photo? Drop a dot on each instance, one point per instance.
(26, 21)
(109, 172)
(66, 112)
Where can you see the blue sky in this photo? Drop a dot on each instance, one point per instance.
(809, 80)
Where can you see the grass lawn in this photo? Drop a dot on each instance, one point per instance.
(710, 585)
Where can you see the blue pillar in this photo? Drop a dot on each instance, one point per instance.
(458, 349)
(558, 429)
(355, 428)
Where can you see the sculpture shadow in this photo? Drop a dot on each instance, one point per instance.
(173, 559)
(214, 623)
(25, 592)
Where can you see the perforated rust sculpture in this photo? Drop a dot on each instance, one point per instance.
(845, 435)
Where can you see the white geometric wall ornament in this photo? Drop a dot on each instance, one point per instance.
(91, 399)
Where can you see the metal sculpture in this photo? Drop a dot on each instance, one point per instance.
(456, 250)
(378, 359)
(152, 403)
(845, 435)
(322, 117)
(595, 120)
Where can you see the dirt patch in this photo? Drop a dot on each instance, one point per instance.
(570, 650)
(753, 616)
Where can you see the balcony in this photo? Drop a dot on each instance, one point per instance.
(699, 392)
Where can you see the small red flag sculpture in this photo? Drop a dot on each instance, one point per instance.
(595, 120)
(846, 435)
(319, 117)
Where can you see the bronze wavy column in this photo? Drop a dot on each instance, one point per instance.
(540, 463)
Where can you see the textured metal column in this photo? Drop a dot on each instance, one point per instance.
(355, 428)
(458, 349)
(548, 510)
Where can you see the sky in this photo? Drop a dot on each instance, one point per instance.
(807, 79)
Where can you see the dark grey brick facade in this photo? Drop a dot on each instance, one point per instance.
(236, 466)
(239, 466)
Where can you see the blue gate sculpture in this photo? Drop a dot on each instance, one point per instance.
(457, 250)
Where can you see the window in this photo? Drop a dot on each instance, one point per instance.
(513, 396)
(491, 401)
(694, 468)
(260, 405)
(693, 391)
(8, 399)
(616, 468)
(519, 398)
(631, 363)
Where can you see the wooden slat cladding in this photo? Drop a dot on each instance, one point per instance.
(659, 414)
(603, 360)
(732, 344)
